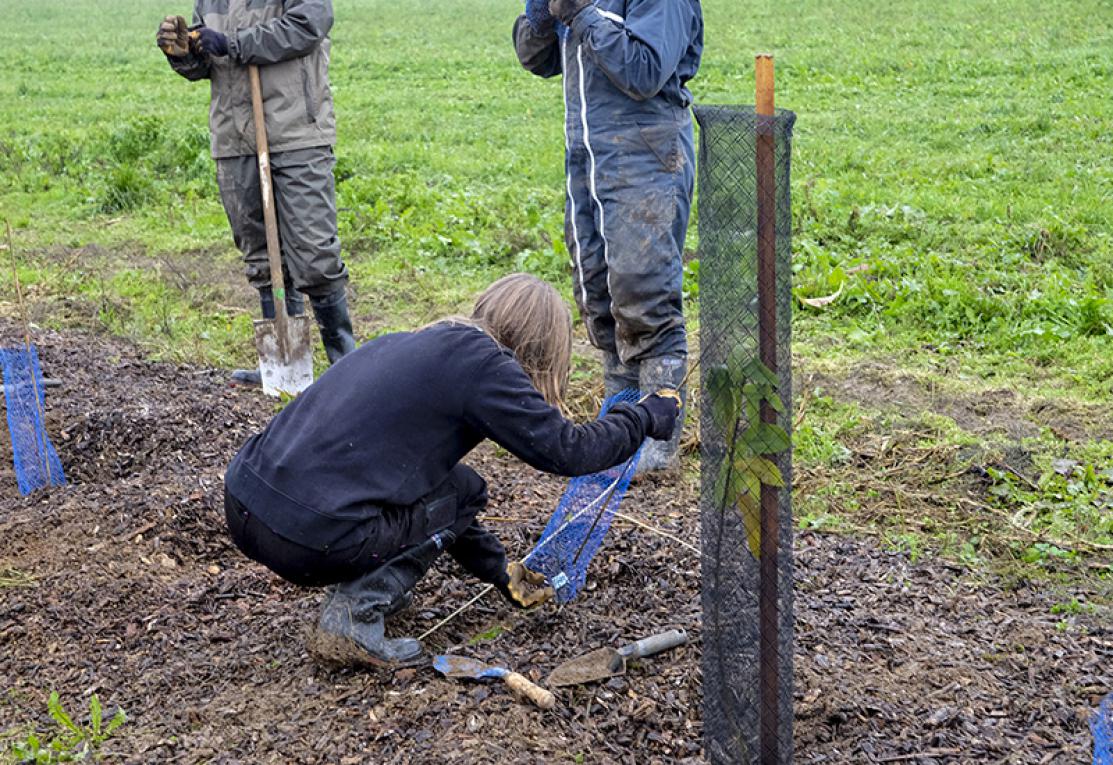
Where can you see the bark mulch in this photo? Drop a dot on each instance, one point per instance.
(131, 590)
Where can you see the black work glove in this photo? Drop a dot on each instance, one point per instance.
(212, 42)
(173, 37)
(663, 407)
(566, 10)
(519, 580)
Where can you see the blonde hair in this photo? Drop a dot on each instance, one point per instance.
(526, 315)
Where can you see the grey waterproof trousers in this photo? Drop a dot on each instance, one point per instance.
(305, 203)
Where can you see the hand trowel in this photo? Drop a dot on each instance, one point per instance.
(603, 663)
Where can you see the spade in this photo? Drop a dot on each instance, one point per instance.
(285, 343)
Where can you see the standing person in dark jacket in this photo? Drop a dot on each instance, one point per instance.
(630, 167)
(358, 482)
(288, 40)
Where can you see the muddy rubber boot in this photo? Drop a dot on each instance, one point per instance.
(396, 607)
(657, 373)
(617, 376)
(352, 630)
(399, 605)
(295, 306)
(331, 312)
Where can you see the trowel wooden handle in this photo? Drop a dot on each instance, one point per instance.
(535, 693)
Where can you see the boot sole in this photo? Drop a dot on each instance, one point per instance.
(335, 651)
(243, 384)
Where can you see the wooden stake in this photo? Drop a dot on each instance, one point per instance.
(768, 591)
(763, 75)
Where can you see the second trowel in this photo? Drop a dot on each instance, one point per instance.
(603, 663)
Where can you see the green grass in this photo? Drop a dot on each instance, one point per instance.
(959, 150)
(953, 175)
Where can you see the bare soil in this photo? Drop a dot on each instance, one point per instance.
(137, 595)
(1003, 412)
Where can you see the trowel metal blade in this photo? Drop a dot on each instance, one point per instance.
(599, 664)
(466, 667)
(291, 373)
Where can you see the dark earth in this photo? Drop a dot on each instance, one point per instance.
(124, 584)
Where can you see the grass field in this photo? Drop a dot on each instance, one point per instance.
(953, 176)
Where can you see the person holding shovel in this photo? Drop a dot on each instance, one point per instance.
(630, 167)
(358, 483)
(288, 40)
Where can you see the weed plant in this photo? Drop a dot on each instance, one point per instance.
(68, 741)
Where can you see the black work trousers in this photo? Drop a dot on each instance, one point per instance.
(449, 510)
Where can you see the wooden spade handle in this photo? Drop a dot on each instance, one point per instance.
(270, 219)
(523, 687)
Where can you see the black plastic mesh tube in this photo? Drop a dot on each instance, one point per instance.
(745, 367)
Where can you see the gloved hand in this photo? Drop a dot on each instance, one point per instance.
(212, 42)
(566, 10)
(663, 408)
(173, 36)
(515, 590)
(538, 16)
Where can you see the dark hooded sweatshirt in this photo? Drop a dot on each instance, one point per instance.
(386, 424)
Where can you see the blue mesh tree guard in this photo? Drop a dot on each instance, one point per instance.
(36, 462)
(1101, 724)
(577, 528)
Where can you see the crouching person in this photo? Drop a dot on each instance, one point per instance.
(358, 484)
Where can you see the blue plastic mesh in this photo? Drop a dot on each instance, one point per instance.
(577, 528)
(36, 463)
(1102, 726)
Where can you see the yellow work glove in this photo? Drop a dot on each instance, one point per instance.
(176, 39)
(523, 587)
(173, 37)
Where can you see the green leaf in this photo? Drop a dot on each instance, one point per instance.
(95, 714)
(740, 487)
(775, 401)
(766, 438)
(754, 394)
(723, 393)
(765, 471)
(60, 716)
(750, 509)
(734, 485)
(117, 720)
(753, 413)
(752, 370)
